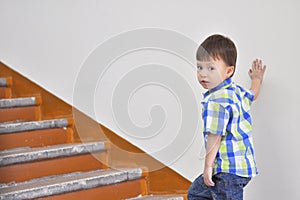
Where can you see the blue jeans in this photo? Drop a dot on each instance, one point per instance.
(227, 187)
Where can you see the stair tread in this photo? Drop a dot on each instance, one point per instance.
(32, 125)
(158, 197)
(27, 154)
(3, 82)
(58, 184)
(18, 102)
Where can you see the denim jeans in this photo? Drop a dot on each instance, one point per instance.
(227, 187)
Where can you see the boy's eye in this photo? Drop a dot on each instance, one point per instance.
(211, 68)
(199, 67)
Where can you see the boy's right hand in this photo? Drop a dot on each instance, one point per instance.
(256, 74)
(257, 71)
(207, 176)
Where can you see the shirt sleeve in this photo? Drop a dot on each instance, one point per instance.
(215, 118)
(250, 96)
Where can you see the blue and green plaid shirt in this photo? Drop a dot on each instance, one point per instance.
(226, 112)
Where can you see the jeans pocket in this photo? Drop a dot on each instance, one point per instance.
(229, 186)
(238, 187)
(201, 182)
(198, 190)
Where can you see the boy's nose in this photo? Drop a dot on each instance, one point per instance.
(202, 73)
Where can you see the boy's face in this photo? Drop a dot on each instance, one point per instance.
(211, 73)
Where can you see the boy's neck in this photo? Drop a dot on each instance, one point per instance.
(225, 83)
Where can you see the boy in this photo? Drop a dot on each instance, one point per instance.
(229, 161)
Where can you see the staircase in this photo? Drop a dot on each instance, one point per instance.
(42, 159)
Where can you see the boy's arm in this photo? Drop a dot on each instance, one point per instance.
(256, 74)
(212, 147)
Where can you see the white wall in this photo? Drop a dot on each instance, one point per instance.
(50, 41)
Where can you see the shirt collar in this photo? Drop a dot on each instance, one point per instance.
(224, 84)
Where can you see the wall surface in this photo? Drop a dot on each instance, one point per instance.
(105, 58)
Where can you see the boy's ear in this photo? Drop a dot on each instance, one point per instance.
(230, 71)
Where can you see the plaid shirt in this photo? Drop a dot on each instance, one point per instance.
(226, 112)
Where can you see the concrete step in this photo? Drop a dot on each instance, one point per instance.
(2, 82)
(19, 102)
(69, 183)
(158, 197)
(35, 133)
(36, 138)
(5, 82)
(25, 163)
(28, 113)
(14, 127)
(5, 87)
(26, 109)
(5, 92)
(21, 155)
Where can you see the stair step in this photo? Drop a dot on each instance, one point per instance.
(5, 82)
(5, 87)
(20, 155)
(26, 163)
(28, 113)
(36, 138)
(2, 82)
(5, 92)
(59, 184)
(19, 102)
(33, 125)
(158, 197)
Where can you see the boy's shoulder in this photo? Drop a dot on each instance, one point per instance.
(231, 94)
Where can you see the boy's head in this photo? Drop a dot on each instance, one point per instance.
(216, 60)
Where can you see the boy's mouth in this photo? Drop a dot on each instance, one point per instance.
(204, 82)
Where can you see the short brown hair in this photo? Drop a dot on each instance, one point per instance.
(218, 47)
